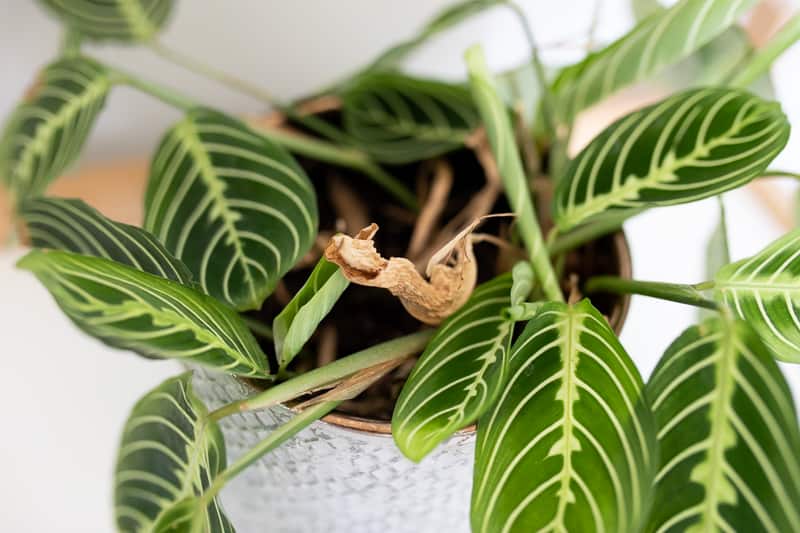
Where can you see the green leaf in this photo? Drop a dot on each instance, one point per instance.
(764, 290)
(728, 435)
(118, 20)
(451, 16)
(570, 443)
(690, 146)
(522, 275)
(659, 40)
(458, 375)
(233, 206)
(298, 321)
(73, 226)
(46, 132)
(155, 317)
(169, 456)
(397, 119)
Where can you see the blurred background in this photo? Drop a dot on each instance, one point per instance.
(64, 396)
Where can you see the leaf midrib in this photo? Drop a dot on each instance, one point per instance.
(664, 173)
(92, 91)
(215, 187)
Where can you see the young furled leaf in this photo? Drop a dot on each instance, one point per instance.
(74, 226)
(458, 375)
(153, 316)
(764, 290)
(690, 146)
(569, 444)
(398, 119)
(234, 207)
(728, 434)
(47, 131)
(659, 40)
(169, 456)
(299, 319)
(117, 20)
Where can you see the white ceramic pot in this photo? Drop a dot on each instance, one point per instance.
(334, 479)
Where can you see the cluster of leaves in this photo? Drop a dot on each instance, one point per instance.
(569, 435)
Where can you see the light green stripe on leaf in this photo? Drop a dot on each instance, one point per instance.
(155, 317)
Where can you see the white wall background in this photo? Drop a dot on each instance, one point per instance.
(64, 396)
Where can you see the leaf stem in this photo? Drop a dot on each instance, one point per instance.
(342, 156)
(301, 144)
(283, 433)
(501, 138)
(760, 63)
(191, 64)
(547, 95)
(258, 327)
(674, 292)
(339, 369)
(775, 173)
(588, 232)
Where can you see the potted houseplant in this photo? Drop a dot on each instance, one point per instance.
(299, 292)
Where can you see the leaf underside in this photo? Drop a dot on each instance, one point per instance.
(169, 455)
(155, 317)
(764, 290)
(458, 375)
(233, 206)
(398, 119)
(728, 435)
(72, 225)
(118, 20)
(46, 132)
(690, 146)
(570, 444)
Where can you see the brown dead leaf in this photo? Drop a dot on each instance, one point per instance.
(452, 272)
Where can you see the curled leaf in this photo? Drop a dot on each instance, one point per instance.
(451, 273)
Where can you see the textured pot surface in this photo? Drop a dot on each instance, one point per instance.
(330, 479)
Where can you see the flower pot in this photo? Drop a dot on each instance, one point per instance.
(344, 473)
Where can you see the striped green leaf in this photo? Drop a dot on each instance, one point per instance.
(233, 206)
(118, 20)
(764, 290)
(661, 39)
(398, 119)
(72, 225)
(690, 146)
(46, 132)
(155, 317)
(458, 375)
(728, 435)
(447, 18)
(570, 443)
(298, 321)
(169, 455)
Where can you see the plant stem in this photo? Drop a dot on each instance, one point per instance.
(547, 95)
(258, 327)
(501, 138)
(281, 434)
(308, 146)
(342, 156)
(686, 294)
(723, 227)
(760, 63)
(339, 369)
(71, 42)
(588, 232)
(191, 64)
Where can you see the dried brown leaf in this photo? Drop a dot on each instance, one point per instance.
(452, 273)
